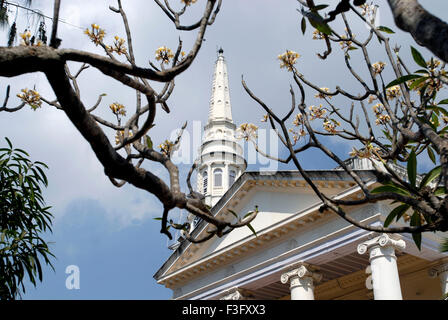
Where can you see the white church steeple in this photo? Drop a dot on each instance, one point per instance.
(221, 159)
(220, 108)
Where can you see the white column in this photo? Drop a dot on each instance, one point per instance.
(383, 265)
(441, 271)
(301, 282)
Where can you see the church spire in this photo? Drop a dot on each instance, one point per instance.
(221, 159)
(220, 108)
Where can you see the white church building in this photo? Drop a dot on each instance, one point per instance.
(298, 253)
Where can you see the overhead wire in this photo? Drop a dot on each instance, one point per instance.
(40, 13)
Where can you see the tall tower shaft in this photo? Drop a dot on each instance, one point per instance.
(221, 159)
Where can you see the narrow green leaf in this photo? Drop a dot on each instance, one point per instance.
(435, 121)
(430, 176)
(320, 7)
(415, 221)
(252, 229)
(318, 22)
(412, 168)
(444, 101)
(444, 245)
(400, 210)
(41, 163)
(431, 154)
(247, 214)
(385, 29)
(22, 151)
(403, 79)
(401, 213)
(390, 188)
(418, 82)
(149, 143)
(418, 58)
(440, 191)
(379, 39)
(9, 142)
(422, 71)
(233, 213)
(303, 25)
(438, 110)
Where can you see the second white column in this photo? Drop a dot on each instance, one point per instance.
(301, 282)
(383, 264)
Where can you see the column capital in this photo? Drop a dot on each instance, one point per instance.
(233, 294)
(382, 240)
(302, 271)
(437, 270)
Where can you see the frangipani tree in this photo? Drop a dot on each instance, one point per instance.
(393, 119)
(121, 156)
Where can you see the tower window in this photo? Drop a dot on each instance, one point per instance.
(232, 176)
(204, 182)
(217, 178)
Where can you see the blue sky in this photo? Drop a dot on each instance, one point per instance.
(114, 262)
(108, 232)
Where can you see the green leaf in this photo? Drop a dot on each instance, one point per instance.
(390, 188)
(416, 221)
(438, 110)
(440, 191)
(149, 143)
(417, 239)
(379, 39)
(418, 58)
(252, 229)
(434, 121)
(320, 7)
(412, 168)
(444, 245)
(318, 22)
(418, 82)
(403, 79)
(422, 71)
(400, 210)
(159, 218)
(303, 25)
(444, 101)
(431, 154)
(430, 176)
(385, 29)
(233, 213)
(9, 142)
(247, 214)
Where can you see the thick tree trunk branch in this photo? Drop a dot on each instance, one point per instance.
(114, 164)
(427, 30)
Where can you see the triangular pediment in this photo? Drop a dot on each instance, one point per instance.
(285, 202)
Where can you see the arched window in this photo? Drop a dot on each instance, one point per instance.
(217, 177)
(232, 176)
(204, 182)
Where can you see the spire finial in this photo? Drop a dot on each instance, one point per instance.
(220, 51)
